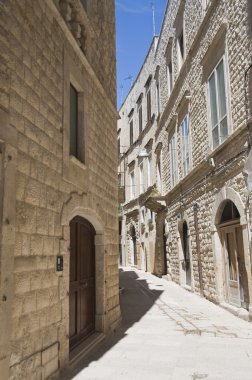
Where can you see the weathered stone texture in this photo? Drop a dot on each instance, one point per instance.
(33, 42)
(221, 29)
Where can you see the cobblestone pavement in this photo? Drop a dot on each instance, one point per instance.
(169, 333)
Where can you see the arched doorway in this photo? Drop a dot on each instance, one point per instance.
(235, 274)
(186, 252)
(164, 250)
(82, 281)
(143, 261)
(133, 245)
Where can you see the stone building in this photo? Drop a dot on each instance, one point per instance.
(58, 183)
(192, 154)
(135, 131)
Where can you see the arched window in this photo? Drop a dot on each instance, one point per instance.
(229, 212)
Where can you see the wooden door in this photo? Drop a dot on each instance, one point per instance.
(186, 252)
(243, 277)
(232, 271)
(82, 281)
(134, 250)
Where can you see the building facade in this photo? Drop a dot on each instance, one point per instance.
(191, 219)
(58, 188)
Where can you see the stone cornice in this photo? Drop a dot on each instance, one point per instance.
(202, 169)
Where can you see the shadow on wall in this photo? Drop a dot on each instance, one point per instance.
(135, 301)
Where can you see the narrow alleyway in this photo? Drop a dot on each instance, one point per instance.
(171, 334)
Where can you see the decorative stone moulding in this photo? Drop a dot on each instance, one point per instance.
(66, 10)
(71, 11)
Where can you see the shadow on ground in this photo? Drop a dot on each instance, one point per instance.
(135, 301)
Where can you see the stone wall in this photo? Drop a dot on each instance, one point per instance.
(39, 57)
(209, 33)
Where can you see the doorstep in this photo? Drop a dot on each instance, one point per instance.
(84, 348)
(187, 287)
(237, 311)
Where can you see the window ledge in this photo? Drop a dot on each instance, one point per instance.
(232, 135)
(77, 162)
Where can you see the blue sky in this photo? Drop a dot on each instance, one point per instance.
(134, 28)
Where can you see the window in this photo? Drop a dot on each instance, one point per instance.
(76, 133)
(73, 122)
(180, 36)
(159, 178)
(141, 178)
(169, 77)
(140, 118)
(149, 163)
(181, 51)
(75, 125)
(148, 97)
(158, 93)
(132, 185)
(173, 158)
(131, 132)
(153, 215)
(218, 105)
(185, 143)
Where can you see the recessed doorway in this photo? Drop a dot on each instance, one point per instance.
(82, 281)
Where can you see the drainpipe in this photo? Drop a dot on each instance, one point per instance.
(195, 211)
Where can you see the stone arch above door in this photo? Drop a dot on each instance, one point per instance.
(78, 205)
(180, 222)
(224, 195)
(184, 251)
(227, 193)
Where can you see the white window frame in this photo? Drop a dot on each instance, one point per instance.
(181, 30)
(173, 160)
(148, 103)
(227, 115)
(185, 146)
(132, 185)
(141, 178)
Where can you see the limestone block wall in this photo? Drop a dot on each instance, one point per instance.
(221, 29)
(211, 33)
(39, 180)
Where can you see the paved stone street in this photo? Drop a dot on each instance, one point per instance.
(169, 333)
